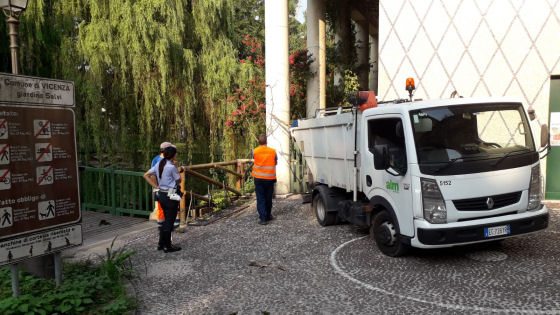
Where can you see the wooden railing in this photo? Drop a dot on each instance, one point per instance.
(241, 169)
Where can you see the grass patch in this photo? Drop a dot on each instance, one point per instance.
(87, 288)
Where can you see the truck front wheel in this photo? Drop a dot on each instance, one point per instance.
(384, 231)
(323, 217)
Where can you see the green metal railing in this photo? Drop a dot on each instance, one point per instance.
(117, 192)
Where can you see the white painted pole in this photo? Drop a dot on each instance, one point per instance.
(316, 44)
(322, 56)
(277, 88)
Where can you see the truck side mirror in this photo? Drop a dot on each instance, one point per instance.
(544, 135)
(532, 115)
(381, 157)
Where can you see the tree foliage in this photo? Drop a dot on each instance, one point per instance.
(145, 71)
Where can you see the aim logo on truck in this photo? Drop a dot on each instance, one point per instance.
(392, 186)
(367, 151)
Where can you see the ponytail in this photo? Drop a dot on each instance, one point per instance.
(168, 154)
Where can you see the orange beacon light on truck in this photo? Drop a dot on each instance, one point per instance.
(410, 87)
(410, 84)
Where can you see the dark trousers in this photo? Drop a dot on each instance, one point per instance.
(170, 208)
(264, 188)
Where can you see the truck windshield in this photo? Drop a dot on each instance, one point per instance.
(472, 138)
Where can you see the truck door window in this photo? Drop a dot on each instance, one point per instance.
(389, 131)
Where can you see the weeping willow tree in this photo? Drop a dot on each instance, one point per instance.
(163, 69)
(145, 71)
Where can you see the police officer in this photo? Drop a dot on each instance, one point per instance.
(164, 177)
(264, 174)
(158, 210)
(162, 147)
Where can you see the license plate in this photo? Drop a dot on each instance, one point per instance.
(497, 231)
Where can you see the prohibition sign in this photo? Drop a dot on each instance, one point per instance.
(43, 154)
(4, 154)
(44, 175)
(4, 129)
(41, 129)
(5, 180)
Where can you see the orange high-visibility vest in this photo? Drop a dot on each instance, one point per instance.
(265, 163)
(161, 216)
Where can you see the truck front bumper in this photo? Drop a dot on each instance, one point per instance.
(429, 236)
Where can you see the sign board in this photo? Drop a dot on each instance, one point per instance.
(39, 244)
(554, 130)
(18, 89)
(39, 195)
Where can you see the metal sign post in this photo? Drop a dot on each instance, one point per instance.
(15, 280)
(39, 197)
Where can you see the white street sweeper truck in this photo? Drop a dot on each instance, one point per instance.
(426, 174)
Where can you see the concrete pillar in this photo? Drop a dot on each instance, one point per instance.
(342, 39)
(374, 59)
(316, 44)
(277, 88)
(362, 52)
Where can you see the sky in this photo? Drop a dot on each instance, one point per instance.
(300, 13)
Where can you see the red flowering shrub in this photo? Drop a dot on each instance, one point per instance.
(250, 100)
(299, 73)
(251, 109)
(256, 51)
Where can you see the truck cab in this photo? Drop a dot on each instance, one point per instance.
(429, 174)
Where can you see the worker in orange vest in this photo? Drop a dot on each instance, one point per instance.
(264, 174)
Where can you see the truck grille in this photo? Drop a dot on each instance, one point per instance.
(481, 204)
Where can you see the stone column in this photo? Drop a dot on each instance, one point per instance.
(277, 88)
(342, 39)
(362, 43)
(316, 44)
(374, 59)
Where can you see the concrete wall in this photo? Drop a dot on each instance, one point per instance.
(479, 48)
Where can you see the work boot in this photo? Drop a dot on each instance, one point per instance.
(172, 248)
(169, 248)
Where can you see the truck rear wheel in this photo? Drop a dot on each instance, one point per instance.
(323, 217)
(384, 231)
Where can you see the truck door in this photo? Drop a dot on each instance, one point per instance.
(393, 184)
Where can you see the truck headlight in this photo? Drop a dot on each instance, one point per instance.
(434, 206)
(535, 193)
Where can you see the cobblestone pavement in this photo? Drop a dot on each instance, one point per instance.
(293, 265)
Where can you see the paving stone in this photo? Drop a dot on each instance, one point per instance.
(293, 265)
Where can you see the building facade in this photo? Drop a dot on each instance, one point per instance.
(477, 48)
